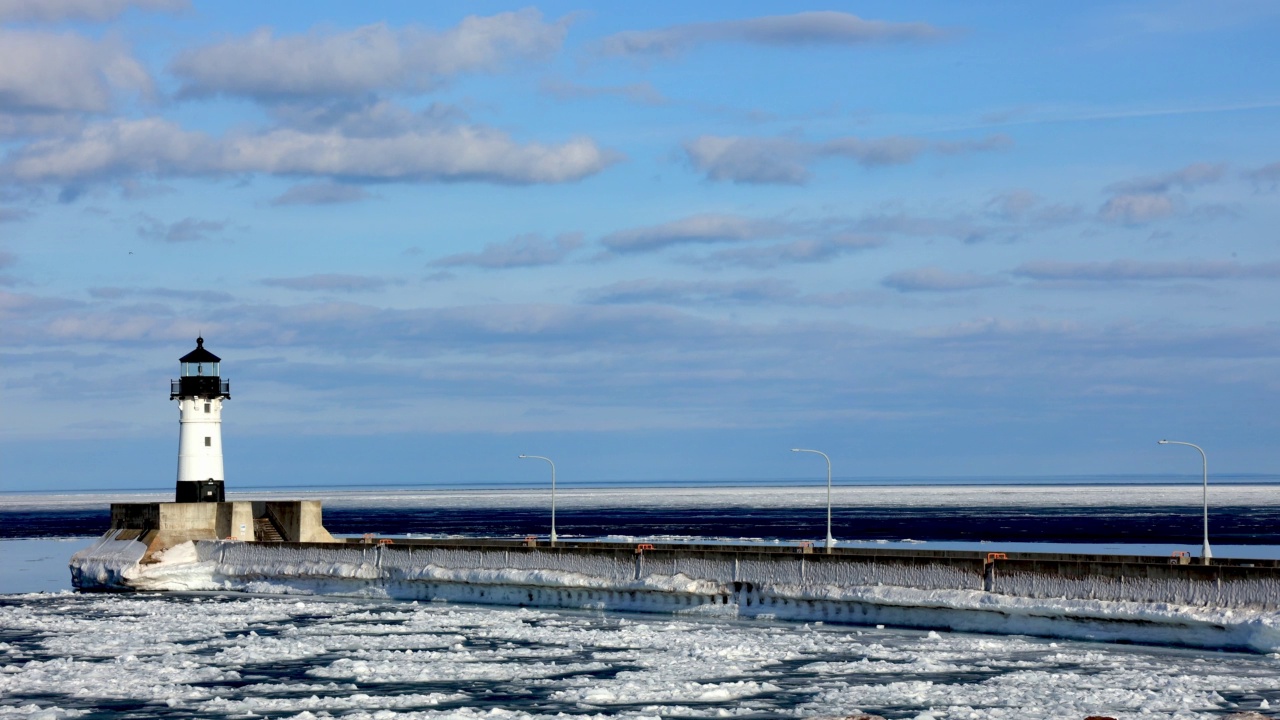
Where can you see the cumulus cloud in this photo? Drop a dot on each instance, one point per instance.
(796, 30)
(185, 230)
(368, 59)
(331, 282)
(1129, 270)
(804, 250)
(1148, 199)
(1137, 209)
(933, 279)
(1187, 178)
(45, 72)
(457, 154)
(120, 147)
(643, 93)
(523, 251)
(160, 147)
(83, 10)
(688, 292)
(323, 193)
(750, 160)
(695, 229)
(783, 160)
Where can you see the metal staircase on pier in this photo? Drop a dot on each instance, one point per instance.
(265, 530)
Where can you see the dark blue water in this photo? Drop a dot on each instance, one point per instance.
(1234, 525)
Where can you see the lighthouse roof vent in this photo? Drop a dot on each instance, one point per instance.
(199, 355)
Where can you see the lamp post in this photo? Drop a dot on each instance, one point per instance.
(1205, 553)
(831, 542)
(553, 492)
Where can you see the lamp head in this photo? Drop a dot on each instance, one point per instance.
(524, 456)
(1162, 442)
(795, 449)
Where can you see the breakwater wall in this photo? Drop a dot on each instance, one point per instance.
(1230, 603)
(708, 573)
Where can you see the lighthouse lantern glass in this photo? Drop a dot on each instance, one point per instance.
(208, 369)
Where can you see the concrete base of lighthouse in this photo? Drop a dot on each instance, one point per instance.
(201, 491)
(160, 526)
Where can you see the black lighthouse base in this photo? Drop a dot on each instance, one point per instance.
(201, 491)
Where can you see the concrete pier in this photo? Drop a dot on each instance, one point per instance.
(221, 547)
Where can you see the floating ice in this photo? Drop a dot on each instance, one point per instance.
(207, 655)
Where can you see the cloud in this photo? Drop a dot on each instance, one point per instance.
(797, 30)
(1023, 206)
(120, 147)
(333, 282)
(522, 251)
(84, 10)
(897, 222)
(7, 260)
(1128, 270)
(933, 279)
(323, 193)
(1267, 175)
(457, 154)
(1013, 204)
(1148, 199)
(368, 59)
(695, 229)
(961, 147)
(689, 292)
(805, 250)
(1187, 178)
(159, 147)
(643, 93)
(185, 230)
(202, 296)
(13, 214)
(750, 160)
(365, 117)
(29, 124)
(1137, 209)
(787, 161)
(646, 364)
(45, 72)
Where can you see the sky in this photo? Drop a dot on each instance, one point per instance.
(659, 241)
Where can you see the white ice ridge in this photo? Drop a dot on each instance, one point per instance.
(920, 594)
(109, 562)
(1182, 495)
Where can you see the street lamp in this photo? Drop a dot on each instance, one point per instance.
(1205, 553)
(553, 492)
(831, 542)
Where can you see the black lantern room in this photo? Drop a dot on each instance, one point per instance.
(200, 376)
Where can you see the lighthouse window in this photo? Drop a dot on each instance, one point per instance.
(206, 407)
(208, 442)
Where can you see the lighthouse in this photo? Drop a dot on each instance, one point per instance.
(200, 392)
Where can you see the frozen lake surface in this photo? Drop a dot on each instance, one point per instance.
(1168, 515)
(192, 656)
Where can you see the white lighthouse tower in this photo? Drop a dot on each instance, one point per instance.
(200, 392)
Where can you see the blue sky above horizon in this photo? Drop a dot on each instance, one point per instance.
(669, 241)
